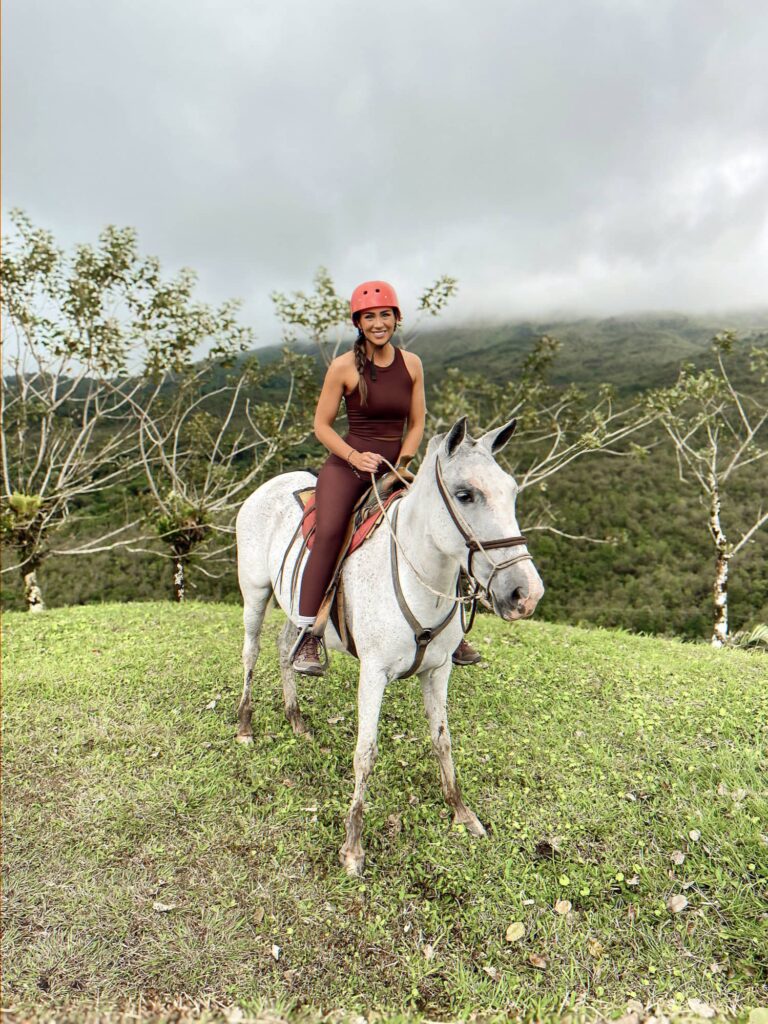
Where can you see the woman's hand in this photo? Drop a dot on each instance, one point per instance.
(364, 462)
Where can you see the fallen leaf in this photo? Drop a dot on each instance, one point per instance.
(413, 800)
(335, 719)
(491, 972)
(258, 915)
(758, 1016)
(428, 952)
(632, 912)
(276, 951)
(738, 795)
(716, 968)
(675, 904)
(677, 857)
(722, 789)
(701, 1009)
(539, 962)
(634, 880)
(595, 948)
(163, 908)
(289, 783)
(515, 932)
(694, 835)
(394, 824)
(528, 903)
(210, 705)
(563, 907)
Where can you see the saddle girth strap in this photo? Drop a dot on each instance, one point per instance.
(422, 636)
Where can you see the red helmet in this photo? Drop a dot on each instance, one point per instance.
(371, 295)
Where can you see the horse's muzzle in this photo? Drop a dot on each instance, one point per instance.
(519, 605)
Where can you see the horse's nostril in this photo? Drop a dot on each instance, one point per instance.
(517, 595)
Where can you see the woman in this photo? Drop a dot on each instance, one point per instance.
(383, 390)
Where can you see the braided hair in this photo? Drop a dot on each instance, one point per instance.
(360, 358)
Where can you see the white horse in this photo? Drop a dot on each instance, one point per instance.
(457, 513)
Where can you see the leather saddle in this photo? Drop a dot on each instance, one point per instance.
(366, 516)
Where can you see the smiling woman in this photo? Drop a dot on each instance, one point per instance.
(383, 391)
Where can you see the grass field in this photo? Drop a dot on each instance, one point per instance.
(149, 860)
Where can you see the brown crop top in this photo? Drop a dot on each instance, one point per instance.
(388, 404)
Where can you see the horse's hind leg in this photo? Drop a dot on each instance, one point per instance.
(253, 617)
(290, 696)
(434, 689)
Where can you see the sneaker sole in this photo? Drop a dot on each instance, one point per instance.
(309, 670)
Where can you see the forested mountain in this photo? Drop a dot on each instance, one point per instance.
(656, 573)
(632, 353)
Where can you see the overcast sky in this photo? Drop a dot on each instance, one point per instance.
(556, 156)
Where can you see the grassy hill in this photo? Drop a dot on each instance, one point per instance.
(150, 859)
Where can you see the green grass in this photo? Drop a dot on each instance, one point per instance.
(592, 756)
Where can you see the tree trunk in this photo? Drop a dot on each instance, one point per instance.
(720, 594)
(179, 587)
(720, 588)
(32, 592)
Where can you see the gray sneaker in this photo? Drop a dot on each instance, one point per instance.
(306, 660)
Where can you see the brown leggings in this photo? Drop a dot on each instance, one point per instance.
(338, 488)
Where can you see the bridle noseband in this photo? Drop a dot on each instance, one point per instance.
(473, 544)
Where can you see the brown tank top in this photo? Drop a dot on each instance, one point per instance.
(388, 404)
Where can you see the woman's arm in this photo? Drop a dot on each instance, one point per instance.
(418, 412)
(325, 415)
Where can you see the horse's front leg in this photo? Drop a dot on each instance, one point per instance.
(434, 688)
(369, 696)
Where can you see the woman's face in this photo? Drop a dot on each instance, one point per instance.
(378, 325)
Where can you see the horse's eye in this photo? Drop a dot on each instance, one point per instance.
(465, 497)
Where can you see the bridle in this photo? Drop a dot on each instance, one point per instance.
(424, 636)
(474, 545)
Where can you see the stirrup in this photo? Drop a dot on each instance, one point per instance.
(303, 632)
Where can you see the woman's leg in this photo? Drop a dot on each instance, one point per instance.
(337, 491)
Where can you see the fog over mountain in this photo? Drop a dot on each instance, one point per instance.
(563, 158)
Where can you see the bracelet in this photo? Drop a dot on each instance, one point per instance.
(349, 455)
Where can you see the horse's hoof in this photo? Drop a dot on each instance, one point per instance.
(246, 740)
(353, 864)
(299, 726)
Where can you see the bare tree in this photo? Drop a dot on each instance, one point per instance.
(73, 325)
(204, 445)
(322, 317)
(717, 432)
(556, 425)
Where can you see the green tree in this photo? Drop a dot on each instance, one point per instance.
(79, 329)
(203, 445)
(322, 316)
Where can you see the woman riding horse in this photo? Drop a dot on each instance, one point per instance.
(383, 390)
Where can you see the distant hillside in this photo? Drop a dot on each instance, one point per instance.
(632, 353)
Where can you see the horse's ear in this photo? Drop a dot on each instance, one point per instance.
(456, 435)
(495, 440)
